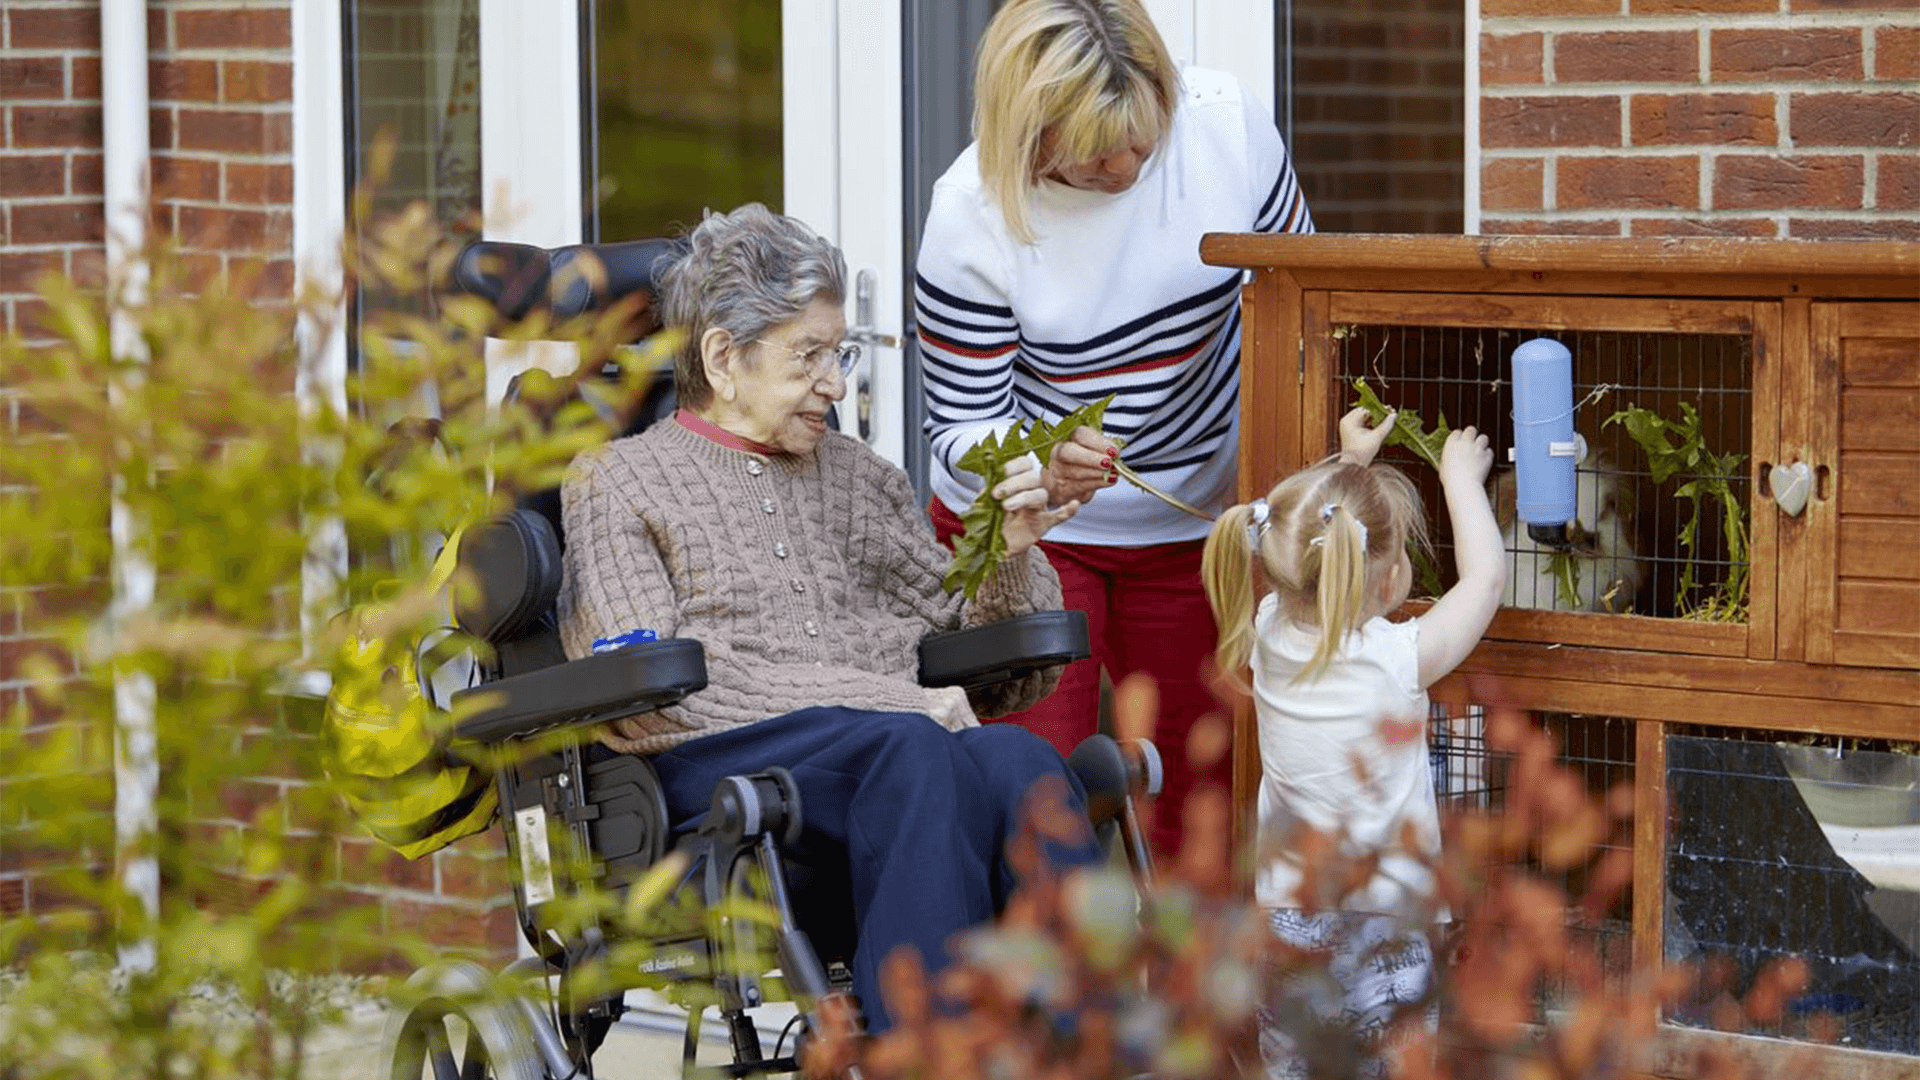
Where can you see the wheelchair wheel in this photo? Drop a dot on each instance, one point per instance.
(454, 1028)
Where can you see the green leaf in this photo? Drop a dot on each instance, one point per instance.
(982, 547)
(1408, 431)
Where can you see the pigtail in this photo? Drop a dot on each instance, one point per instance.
(1226, 571)
(1342, 587)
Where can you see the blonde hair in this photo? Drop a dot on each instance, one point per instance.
(1334, 531)
(1095, 72)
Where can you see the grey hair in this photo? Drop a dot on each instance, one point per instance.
(744, 272)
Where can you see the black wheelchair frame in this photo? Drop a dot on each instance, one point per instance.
(611, 806)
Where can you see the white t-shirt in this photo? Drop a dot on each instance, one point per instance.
(1345, 753)
(1110, 298)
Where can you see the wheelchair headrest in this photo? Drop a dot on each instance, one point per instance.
(579, 279)
(513, 563)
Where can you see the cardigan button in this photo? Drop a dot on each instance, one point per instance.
(779, 549)
(799, 586)
(766, 506)
(754, 468)
(813, 628)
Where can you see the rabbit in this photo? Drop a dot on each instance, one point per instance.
(1608, 570)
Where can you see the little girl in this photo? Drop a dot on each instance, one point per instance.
(1341, 699)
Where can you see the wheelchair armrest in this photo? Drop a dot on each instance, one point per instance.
(606, 686)
(1003, 651)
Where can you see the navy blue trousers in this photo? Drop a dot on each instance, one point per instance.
(913, 821)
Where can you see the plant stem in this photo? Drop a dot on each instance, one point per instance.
(1134, 479)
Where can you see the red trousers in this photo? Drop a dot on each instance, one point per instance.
(1146, 611)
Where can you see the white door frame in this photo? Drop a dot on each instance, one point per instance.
(843, 162)
(531, 154)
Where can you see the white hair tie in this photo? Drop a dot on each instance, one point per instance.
(1257, 527)
(1326, 518)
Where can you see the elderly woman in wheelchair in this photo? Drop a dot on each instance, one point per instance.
(801, 560)
(752, 602)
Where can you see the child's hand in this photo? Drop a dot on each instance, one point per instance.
(1466, 459)
(1360, 442)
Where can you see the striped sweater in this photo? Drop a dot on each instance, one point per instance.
(1112, 298)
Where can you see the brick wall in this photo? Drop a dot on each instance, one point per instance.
(221, 82)
(1378, 113)
(1764, 118)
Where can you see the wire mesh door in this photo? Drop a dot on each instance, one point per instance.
(1671, 408)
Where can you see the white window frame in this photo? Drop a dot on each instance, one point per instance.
(531, 191)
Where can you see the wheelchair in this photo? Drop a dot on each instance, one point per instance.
(610, 809)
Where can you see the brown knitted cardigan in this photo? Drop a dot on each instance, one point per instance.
(809, 579)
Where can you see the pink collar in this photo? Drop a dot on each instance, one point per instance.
(714, 433)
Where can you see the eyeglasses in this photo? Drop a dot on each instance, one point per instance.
(821, 359)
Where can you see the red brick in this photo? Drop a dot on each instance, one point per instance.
(1788, 182)
(61, 127)
(1902, 228)
(1896, 53)
(183, 80)
(276, 133)
(472, 871)
(1702, 7)
(23, 77)
(1642, 56)
(1881, 120)
(368, 862)
(1703, 120)
(58, 223)
(1511, 59)
(1898, 185)
(231, 132)
(160, 128)
(1498, 8)
(251, 800)
(255, 81)
(1763, 228)
(256, 28)
(1512, 184)
(20, 274)
(454, 925)
(256, 184)
(17, 658)
(1535, 227)
(86, 174)
(159, 29)
(1786, 55)
(229, 230)
(1628, 183)
(185, 178)
(30, 176)
(85, 75)
(13, 898)
(74, 27)
(1549, 121)
(89, 270)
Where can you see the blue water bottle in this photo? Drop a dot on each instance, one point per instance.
(1545, 447)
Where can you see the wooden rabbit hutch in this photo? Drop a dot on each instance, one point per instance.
(1746, 572)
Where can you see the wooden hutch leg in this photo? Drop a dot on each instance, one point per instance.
(1649, 846)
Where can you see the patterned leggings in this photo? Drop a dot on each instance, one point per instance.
(1327, 1020)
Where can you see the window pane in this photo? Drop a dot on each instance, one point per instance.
(413, 71)
(687, 103)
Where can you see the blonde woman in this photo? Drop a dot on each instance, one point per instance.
(1340, 696)
(1060, 264)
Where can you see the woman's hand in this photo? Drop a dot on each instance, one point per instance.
(949, 707)
(1079, 467)
(1466, 459)
(1023, 495)
(1358, 441)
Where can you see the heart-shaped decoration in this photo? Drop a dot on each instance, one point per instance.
(1792, 485)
